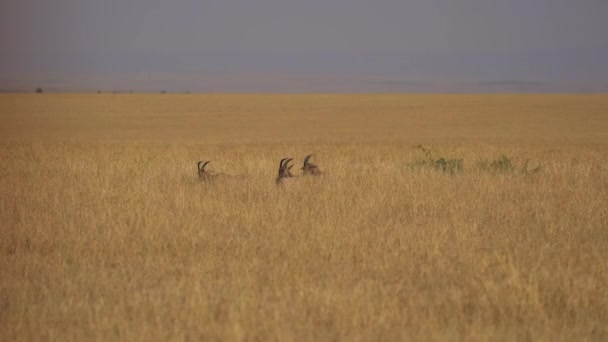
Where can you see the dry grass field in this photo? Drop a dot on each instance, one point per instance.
(107, 234)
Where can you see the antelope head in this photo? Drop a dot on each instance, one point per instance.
(284, 168)
(310, 168)
(201, 169)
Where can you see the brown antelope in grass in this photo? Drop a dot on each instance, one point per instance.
(207, 176)
(284, 171)
(310, 168)
(202, 175)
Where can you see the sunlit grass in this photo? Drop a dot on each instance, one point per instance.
(106, 232)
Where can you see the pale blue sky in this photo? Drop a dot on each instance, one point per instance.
(379, 42)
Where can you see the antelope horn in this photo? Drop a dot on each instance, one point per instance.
(207, 162)
(287, 162)
(198, 165)
(281, 163)
(306, 159)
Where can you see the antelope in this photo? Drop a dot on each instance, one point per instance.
(310, 168)
(202, 175)
(284, 171)
(206, 176)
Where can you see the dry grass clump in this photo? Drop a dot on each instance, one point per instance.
(119, 240)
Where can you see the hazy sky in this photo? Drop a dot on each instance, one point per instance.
(560, 41)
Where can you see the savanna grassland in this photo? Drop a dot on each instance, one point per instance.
(107, 234)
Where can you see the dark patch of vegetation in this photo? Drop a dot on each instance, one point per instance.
(504, 164)
(500, 165)
(445, 165)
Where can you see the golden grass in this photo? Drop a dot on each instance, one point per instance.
(106, 233)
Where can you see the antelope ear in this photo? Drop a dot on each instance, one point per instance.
(198, 165)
